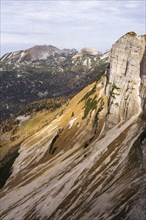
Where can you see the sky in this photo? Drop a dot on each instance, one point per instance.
(68, 23)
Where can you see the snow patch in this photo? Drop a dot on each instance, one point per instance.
(19, 76)
(23, 118)
(71, 122)
(10, 55)
(22, 55)
(4, 57)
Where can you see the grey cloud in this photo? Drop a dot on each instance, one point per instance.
(69, 23)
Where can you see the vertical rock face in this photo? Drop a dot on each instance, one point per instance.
(126, 76)
(143, 80)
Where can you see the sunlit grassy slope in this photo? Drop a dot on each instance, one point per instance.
(70, 117)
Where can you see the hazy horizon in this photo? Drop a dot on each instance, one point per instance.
(68, 24)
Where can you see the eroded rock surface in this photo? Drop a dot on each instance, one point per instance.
(126, 76)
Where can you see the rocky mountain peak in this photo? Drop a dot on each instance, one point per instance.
(124, 78)
(90, 55)
(89, 51)
(41, 51)
(36, 53)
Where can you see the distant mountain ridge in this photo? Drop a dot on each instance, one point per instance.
(38, 52)
(45, 72)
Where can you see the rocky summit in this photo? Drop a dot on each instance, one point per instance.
(86, 159)
(38, 52)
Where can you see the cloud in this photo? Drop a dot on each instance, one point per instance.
(68, 23)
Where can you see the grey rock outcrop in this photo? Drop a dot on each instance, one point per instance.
(89, 51)
(126, 78)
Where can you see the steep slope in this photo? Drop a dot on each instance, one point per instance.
(86, 163)
(44, 72)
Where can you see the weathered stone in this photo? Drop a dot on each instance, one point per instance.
(125, 77)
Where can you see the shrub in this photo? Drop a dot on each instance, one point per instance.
(88, 94)
(90, 105)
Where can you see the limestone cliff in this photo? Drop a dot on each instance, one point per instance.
(126, 76)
